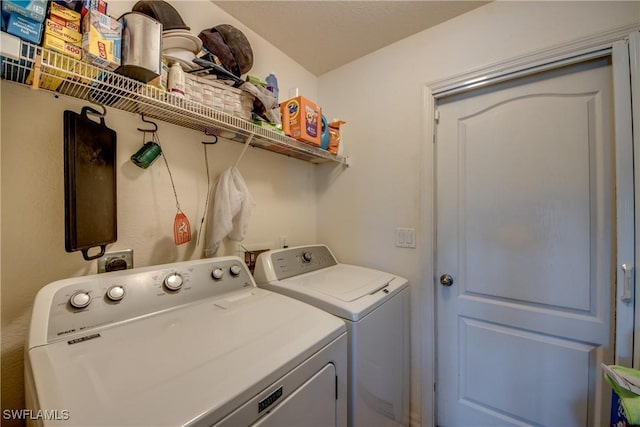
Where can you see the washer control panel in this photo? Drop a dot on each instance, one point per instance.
(299, 260)
(85, 303)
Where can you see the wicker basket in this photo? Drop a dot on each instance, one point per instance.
(219, 96)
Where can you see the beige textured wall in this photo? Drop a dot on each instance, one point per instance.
(32, 196)
(389, 184)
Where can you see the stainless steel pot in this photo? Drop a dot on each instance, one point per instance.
(141, 47)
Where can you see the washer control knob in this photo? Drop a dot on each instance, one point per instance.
(217, 273)
(235, 269)
(80, 299)
(306, 257)
(115, 293)
(173, 282)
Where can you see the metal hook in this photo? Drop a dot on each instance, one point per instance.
(104, 109)
(206, 132)
(155, 126)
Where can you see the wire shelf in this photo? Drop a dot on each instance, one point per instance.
(48, 70)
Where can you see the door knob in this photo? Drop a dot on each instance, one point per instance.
(446, 280)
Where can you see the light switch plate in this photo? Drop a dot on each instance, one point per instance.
(405, 237)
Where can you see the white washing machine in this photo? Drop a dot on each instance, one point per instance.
(375, 308)
(191, 343)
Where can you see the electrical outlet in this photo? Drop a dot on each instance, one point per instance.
(114, 261)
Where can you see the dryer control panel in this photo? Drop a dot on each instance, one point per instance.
(290, 262)
(70, 307)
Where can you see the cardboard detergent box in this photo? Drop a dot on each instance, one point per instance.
(302, 120)
(101, 40)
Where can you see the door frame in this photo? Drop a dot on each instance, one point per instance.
(634, 64)
(597, 45)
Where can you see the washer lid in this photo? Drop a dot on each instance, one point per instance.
(347, 291)
(347, 282)
(180, 366)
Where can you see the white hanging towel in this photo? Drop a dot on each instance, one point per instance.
(229, 211)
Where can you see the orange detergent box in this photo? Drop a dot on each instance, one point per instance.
(302, 120)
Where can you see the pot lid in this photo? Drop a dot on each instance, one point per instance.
(163, 12)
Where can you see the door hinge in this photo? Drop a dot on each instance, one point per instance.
(436, 115)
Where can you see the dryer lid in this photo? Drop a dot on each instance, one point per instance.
(180, 366)
(347, 282)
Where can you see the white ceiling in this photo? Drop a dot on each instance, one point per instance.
(323, 35)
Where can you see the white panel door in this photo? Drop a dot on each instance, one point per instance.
(526, 230)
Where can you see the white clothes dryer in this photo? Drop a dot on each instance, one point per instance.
(194, 343)
(375, 307)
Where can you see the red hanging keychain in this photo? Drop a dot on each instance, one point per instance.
(181, 228)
